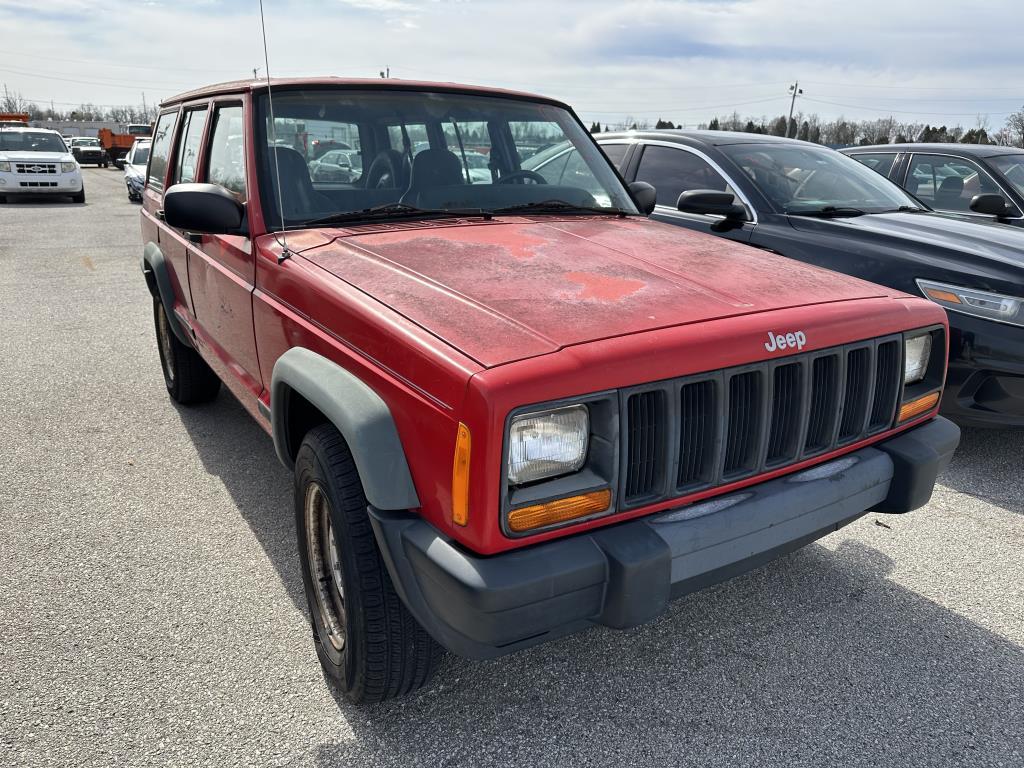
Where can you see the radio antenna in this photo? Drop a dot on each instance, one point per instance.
(283, 240)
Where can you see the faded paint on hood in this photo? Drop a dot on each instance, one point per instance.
(514, 288)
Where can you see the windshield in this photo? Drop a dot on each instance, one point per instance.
(415, 151)
(86, 142)
(31, 141)
(141, 156)
(799, 179)
(1012, 169)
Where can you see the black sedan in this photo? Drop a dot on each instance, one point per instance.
(979, 180)
(816, 205)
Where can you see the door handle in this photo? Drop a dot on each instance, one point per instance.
(160, 214)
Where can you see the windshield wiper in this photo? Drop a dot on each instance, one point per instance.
(394, 210)
(828, 212)
(908, 209)
(559, 206)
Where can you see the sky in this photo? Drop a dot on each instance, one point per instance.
(939, 62)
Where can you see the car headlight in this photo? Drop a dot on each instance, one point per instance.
(547, 444)
(5, 166)
(917, 353)
(970, 301)
(68, 167)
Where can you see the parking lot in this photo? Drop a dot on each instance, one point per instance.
(152, 610)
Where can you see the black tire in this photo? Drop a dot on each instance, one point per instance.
(79, 198)
(188, 378)
(368, 643)
(3, 199)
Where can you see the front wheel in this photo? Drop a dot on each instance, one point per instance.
(79, 197)
(188, 378)
(368, 643)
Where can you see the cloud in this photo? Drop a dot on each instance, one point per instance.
(679, 59)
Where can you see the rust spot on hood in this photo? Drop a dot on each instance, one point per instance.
(604, 287)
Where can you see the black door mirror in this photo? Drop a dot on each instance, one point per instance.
(990, 205)
(644, 195)
(711, 202)
(206, 208)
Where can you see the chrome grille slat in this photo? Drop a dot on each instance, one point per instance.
(35, 168)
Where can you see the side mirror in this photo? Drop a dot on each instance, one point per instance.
(644, 195)
(205, 208)
(990, 205)
(711, 202)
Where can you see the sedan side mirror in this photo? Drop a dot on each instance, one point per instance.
(990, 204)
(645, 196)
(712, 202)
(205, 208)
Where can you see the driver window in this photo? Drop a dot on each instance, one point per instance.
(188, 148)
(948, 183)
(227, 159)
(674, 171)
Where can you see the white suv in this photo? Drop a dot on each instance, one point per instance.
(36, 161)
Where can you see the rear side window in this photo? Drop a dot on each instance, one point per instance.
(674, 171)
(191, 140)
(877, 161)
(227, 158)
(161, 149)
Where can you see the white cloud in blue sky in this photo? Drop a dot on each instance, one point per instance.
(678, 59)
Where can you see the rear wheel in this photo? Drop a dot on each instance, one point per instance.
(368, 643)
(188, 378)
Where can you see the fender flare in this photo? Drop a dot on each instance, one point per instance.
(358, 412)
(154, 264)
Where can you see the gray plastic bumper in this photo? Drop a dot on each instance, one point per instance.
(624, 575)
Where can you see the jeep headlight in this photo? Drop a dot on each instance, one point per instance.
(5, 166)
(68, 167)
(917, 351)
(970, 301)
(547, 443)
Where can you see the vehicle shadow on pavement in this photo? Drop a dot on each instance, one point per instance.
(233, 447)
(987, 465)
(816, 659)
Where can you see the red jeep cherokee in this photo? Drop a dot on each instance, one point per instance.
(514, 406)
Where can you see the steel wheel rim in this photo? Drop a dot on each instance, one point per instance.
(163, 332)
(325, 566)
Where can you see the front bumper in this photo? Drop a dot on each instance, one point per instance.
(985, 379)
(624, 575)
(40, 184)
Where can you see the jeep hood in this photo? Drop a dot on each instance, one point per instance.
(513, 288)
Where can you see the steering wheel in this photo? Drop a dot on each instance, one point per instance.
(536, 177)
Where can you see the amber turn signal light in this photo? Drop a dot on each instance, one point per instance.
(918, 406)
(560, 511)
(940, 295)
(460, 476)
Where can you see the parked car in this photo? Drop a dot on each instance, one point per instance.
(88, 151)
(979, 180)
(135, 169)
(335, 165)
(35, 161)
(816, 205)
(516, 409)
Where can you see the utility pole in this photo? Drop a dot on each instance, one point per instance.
(145, 111)
(796, 90)
(385, 73)
(254, 75)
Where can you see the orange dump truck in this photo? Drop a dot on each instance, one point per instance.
(117, 145)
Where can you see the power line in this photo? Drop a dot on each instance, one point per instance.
(100, 83)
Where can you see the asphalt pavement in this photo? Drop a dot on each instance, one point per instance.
(151, 608)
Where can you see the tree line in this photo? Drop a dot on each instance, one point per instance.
(127, 113)
(844, 132)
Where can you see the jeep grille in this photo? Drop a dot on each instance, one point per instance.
(697, 432)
